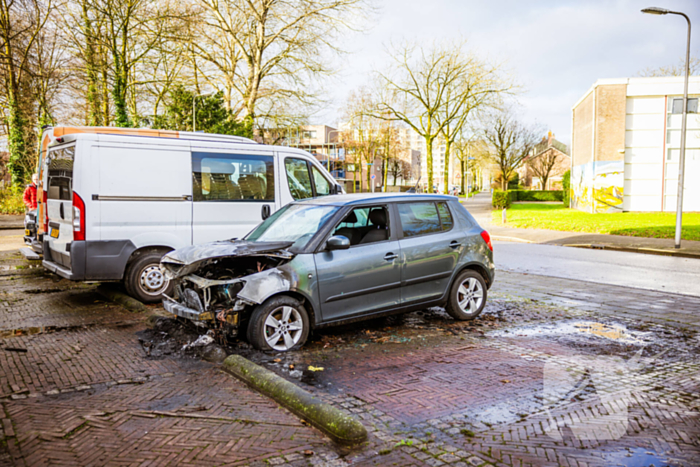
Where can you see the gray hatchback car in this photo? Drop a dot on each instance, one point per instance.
(334, 260)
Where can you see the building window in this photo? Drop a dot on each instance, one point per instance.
(676, 105)
(309, 134)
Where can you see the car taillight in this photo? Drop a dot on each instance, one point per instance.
(487, 238)
(44, 206)
(78, 217)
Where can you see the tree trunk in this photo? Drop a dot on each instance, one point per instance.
(429, 161)
(448, 148)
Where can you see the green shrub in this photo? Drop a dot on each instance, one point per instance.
(536, 195)
(566, 186)
(11, 200)
(501, 199)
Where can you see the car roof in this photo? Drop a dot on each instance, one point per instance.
(367, 198)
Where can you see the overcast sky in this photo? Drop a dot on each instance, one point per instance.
(555, 49)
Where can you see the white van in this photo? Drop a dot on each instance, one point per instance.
(117, 201)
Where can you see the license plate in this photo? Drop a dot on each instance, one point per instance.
(55, 232)
(27, 232)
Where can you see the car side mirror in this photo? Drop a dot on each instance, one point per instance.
(336, 189)
(338, 242)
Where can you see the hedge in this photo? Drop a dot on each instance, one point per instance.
(566, 185)
(500, 199)
(536, 195)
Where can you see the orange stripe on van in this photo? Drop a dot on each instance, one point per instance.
(70, 130)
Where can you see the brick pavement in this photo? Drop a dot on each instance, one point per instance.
(462, 397)
(430, 391)
(76, 388)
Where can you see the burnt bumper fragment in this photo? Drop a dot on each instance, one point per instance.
(178, 309)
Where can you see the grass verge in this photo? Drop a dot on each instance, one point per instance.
(633, 224)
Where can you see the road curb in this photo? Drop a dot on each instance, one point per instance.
(647, 251)
(340, 426)
(121, 298)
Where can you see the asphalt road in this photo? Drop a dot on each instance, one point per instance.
(651, 272)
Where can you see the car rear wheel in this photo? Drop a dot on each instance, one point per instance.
(144, 279)
(467, 296)
(280, 324)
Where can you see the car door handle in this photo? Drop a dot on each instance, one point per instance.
(265, 211)
(390, 256)
(60, 211)
(455, 244)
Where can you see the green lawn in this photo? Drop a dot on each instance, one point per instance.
(635, 224)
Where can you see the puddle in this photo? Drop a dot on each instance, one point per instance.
(613, 332)
(635, 457)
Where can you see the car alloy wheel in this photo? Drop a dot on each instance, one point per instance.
(470, 295)
(283, 328)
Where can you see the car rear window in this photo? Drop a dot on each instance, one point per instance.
(419, 218)
(445, 216)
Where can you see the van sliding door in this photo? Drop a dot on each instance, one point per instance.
(230, 193)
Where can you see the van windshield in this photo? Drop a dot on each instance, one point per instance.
(296, 223)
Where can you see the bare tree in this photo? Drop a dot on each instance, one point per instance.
(21, 25)
(672, 70)
(362, 134)
(543, 164)
(511, 143)
(273, 50)
(421, 91)
(480, 87)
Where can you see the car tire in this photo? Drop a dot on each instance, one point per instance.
(467, 296)
(280, 324)
(145, 281)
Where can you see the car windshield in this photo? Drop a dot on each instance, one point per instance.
(296, 223)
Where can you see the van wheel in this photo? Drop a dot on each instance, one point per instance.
(280, 324)
(144, 279)
(467, 296)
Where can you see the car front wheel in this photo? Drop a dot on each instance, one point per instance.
(280, 324)
(467, 296)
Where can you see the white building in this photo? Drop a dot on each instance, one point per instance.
(626, 145)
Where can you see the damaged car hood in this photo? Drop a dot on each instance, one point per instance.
(184, 261)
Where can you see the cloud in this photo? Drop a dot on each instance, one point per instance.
(555, 49)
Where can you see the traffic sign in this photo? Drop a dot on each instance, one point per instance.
(373, 177)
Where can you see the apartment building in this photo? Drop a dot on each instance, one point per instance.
(626, 144)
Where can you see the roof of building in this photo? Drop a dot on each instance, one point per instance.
(651, 86)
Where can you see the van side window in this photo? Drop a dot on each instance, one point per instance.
(60, 176)
(232, 177)
(323, 188)
(298, 178)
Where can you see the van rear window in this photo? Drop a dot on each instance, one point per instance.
(232, 177)
(60, 174)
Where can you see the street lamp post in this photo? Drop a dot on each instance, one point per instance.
(681, 162)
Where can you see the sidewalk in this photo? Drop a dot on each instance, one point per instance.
(11, 221)
(480, 207)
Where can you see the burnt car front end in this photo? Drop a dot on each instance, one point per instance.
(217, 284)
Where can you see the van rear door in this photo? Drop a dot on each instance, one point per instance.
(59, 204)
